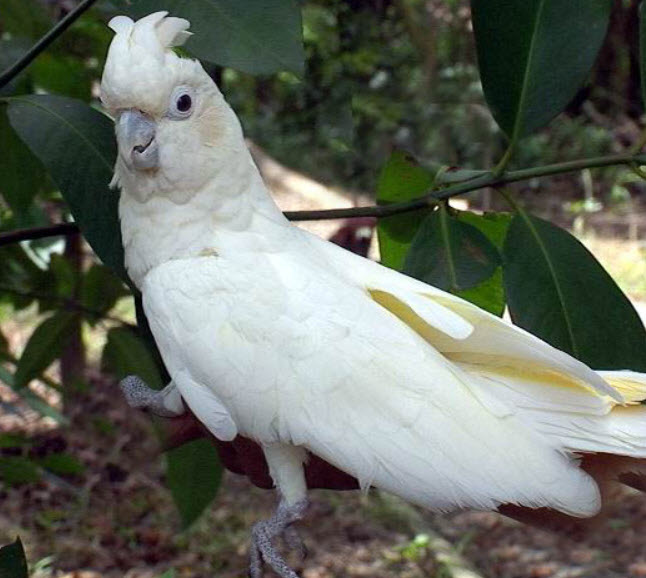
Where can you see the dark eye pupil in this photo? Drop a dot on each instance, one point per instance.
(184, 103)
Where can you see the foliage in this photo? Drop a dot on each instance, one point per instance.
(13, 563)
(372, 81)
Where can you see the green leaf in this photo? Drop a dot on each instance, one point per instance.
(401, 179)
(13, 562)
(490, 294)
(558, 291)
(76, 144)
(21, 174)
(62, 74)
(534, 55)
(101, 289)
(62, 464)
(12, 50)
(125, 353)
(255, 36)
(18, 470)
(39, 405)
(44, 346)
(193, 475)
(24, 18)
(450, 254)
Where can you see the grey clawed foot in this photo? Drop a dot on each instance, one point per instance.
(263, 533)
(164, 403)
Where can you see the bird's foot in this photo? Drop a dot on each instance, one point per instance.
(164, 403)
(262, 534)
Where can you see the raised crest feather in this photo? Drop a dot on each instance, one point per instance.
(168, 30)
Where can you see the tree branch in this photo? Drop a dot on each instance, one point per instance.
(429, 199)
(10, 73)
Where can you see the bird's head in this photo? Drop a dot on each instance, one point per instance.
(174, 129)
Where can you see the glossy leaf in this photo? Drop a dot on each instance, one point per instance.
(401, 179)
(534, 55)
(13, 562)
(255, 36)
(558, 291)
(44, 346)
(18, 470)
(193, 475)
(450, 254)
(76, 145)
(21, 174)
(125, 353)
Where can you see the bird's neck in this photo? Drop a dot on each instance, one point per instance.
(233, 212)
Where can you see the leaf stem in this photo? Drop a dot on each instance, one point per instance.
(429, 199)
(10, 73)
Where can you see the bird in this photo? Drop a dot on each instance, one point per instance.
(272, 334)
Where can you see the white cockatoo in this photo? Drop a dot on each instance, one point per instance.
(272, 333)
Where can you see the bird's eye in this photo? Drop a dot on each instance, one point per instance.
(184, 103)
(181, 103)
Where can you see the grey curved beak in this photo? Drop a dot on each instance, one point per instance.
(136, 137)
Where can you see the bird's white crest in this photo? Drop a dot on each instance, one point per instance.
(141, 60)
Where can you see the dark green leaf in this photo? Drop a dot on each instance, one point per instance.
(24, 18)
(450, 254)
(77, 146)
(490, 294)
(62, 464)
(62, 74)
(255, 36)
(21, 174)
(401, 179)
(193, 475)
(126, 353)
(558, 291)
(13, 441)
(18, 470)
(64, 275)
(12, 50)
(534, 55)
(39, 405)
(13, 562)
(101, 289)
(43, 347)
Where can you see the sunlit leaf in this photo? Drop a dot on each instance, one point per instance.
(255, 36)
(401, 179)
(193, 475)
(558, 291)
(534, 55)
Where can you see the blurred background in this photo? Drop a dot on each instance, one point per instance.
(81, 479)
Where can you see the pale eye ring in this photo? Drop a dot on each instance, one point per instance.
(182, 103)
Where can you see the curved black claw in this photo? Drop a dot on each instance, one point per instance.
(164, 403)
(262, 534)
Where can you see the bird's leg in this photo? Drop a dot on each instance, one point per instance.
(164, 403)
(286, 469)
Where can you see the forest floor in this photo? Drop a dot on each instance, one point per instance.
(117, 520)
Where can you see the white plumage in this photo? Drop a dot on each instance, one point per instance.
(291, 341)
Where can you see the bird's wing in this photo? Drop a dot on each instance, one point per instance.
(298, 355)
(491, 341)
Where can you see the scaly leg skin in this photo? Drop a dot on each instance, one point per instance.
(262, 534)
(286, 468)
(164, 403)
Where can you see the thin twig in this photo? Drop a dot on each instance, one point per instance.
(11, 237)
(10, 73)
